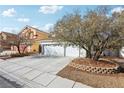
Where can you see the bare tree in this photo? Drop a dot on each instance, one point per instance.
(94, 31)
(21, 41)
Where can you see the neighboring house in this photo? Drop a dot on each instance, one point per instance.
(35, 35)
(114, 52)
(5, 39)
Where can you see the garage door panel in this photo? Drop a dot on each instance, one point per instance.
(82, 53)
(53, 50)
(72, 51)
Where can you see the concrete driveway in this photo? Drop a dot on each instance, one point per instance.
(37, 71)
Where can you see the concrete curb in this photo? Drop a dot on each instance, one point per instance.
(19, 80)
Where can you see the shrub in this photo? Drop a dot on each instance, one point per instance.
(20, 55)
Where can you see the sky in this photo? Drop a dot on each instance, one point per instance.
(13, 18)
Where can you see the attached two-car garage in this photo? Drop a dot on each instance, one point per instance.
(50, 48)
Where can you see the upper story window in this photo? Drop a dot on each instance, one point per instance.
(29, 33)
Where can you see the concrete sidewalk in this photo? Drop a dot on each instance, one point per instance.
(38, 72)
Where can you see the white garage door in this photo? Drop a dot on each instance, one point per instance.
(53, 50)
(57, 50)
(82, 53)
(72, 51)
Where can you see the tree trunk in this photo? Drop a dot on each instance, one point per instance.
(100, 50)
(97, 55)
(88, 54)
(18, 49)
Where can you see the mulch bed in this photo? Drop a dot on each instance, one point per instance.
(91, 79)
(90, 62)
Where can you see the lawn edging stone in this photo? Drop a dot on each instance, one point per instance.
(97, 70)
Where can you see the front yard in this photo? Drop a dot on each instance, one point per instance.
(94, 79)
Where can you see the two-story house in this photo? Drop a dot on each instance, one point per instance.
(33, 34)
